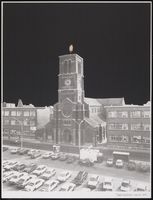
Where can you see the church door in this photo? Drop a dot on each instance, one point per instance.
(67, 136)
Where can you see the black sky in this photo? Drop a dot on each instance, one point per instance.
(113, 39)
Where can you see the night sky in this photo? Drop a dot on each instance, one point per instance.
(113, 40)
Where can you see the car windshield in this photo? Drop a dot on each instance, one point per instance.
(40, 168)
(140, 189)
(62, 174)
(93, 179)
(31, 184)
(107, 183)
(48, 172)
(125, 184)
(52, 184)
(62, 189)
(46, 185)
(21, 180)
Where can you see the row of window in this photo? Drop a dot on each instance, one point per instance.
(136, 127)
(15, 122)
(133, 114)
(69, 67)
(95, 110)
(133, 139)
(67, 122)
(19, 113)
(15, 132)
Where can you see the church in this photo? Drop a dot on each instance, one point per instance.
(77, 120)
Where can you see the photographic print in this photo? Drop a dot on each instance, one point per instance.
(76, 99)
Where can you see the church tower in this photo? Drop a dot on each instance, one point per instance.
(69, 111)
(71, 79)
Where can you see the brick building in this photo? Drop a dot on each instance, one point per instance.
(129, 126)
(25, 119)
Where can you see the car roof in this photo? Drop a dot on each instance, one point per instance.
(41, 166)
(51, 181)
(67, 185)
(140, 185)
(35, 180)
(94, 176)
(107, 179)
(119, 160)
(126, 181)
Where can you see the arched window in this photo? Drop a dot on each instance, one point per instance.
(79, 67)
(65, 66)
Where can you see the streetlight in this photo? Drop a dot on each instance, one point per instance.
(79, 133)
(21, 124)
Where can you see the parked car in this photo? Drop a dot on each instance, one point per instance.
(63, 176)
(5, 148)
(48, 174)
(68, 187)
(15, 150)
(86, 162)
(131, 165)
(31, 151)
(39, 170)
(23, 181)
(93, 181)
(34, 184)
(12, 174)
(125, 185)
(11, 165)
(35, 155)
(80, 178)
(55, 156)
(108, 184)
(19, 167)
(30, 168)
(47, 155)
(49, 186)
(7, 175)
(63, 157)
(6, 162)
(141, 188)
(15, 178)
(143, 167)
(119, 163)
(23, 151)
(71, 159)
(109, 162)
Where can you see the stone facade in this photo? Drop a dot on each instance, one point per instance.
(129, 125)
(24, 119)
(70, 119)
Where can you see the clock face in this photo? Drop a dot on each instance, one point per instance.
(67, 82)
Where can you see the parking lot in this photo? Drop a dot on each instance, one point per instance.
(99, 168)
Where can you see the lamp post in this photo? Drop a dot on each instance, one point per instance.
(21, 124)
(79, 124)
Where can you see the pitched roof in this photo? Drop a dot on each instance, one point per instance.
(105, 101)
(112, 101)
(94, 121)
(91, 101)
